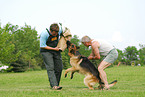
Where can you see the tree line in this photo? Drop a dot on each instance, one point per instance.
(20, 50)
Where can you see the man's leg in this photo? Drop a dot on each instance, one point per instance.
(48, 61)
(103, 75)
(58, 66)
(110, 58)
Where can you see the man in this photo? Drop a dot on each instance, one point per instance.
(101, 48)
(51, 54)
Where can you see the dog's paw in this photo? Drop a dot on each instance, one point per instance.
(65, 75)
(91, 88)
(71, 77)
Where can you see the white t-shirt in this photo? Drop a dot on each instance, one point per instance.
(105, 47)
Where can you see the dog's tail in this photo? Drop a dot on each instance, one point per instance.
(112, 83)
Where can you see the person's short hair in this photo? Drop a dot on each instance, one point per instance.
(54, 27)
(85, 39)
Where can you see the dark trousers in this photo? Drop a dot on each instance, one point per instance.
(54, 66)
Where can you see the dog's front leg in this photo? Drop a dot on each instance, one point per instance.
(68, 70)
(72, 69)
(72, 73)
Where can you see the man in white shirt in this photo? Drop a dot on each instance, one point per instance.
(101, 48)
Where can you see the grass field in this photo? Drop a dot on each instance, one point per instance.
(131, 83)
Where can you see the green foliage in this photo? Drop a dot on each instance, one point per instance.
(84, 50)
(65, 60)
(142, 55)
(19, 47)
(75, 40)
(18, 67)
(130, 54)
(7, 47)
(120, 57)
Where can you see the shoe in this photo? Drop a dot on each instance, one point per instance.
(56, 88)
(105, 88)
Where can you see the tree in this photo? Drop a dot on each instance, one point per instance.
(75, 40)
(7, 48)
(142, 54)
(130, 54)
(26, 41)
(19, 46)
(65, 60)
(120, 58)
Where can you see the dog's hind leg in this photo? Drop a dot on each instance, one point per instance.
(100, 87)
(90, 82)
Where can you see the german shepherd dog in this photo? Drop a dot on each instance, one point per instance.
(82, 65)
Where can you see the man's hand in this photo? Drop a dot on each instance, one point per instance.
(91, 57)
(56, 49)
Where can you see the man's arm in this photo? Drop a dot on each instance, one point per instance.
(50, 48)
(91, 56)
(95, 50)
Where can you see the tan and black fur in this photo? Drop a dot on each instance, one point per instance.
(82, 65)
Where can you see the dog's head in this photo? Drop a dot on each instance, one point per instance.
(73, 49)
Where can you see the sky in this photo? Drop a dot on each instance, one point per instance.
(120, 22)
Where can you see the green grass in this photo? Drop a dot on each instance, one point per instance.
(131, 83)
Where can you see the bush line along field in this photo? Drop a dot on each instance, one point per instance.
(131, 83)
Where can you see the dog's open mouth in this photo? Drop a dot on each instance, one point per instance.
(73, 49)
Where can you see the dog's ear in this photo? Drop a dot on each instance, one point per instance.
(77, 47)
